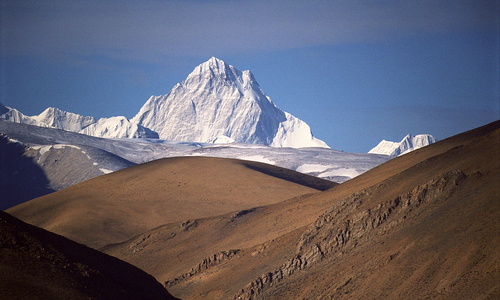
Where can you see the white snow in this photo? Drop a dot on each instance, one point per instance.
(43, 149)
(105, 171)
(56, 118)
(61, 146)
(223, 140)
(258, 158)
(312, 168)
(345, 172)
(216, 103)
(407, 144)
(218, 100)
(117, 127)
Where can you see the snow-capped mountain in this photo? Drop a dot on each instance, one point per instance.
(218, 100)
(409, 143)
(216, 103)
(13, 115)
(114, 127)
(56, 118)
(118, 127)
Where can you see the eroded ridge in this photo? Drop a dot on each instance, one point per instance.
(206, 264)
(344, 227)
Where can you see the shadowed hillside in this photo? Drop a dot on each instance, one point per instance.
(37, 264)
(21, 179)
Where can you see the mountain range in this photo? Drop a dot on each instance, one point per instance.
(215, 103)
(423, 225)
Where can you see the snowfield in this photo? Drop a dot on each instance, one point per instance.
(115, 154)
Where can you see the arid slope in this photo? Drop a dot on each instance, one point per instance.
(120, 205)
(37, 264)
(422, 225)
(431, 231)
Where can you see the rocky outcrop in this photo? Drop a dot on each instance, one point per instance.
(204, 265)
(344, 227)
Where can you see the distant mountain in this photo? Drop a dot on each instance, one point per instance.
(56, 118)
(13, 115)
(215, 103)
(409, 143)
(118, 127)
(114, 127)
(218, 100)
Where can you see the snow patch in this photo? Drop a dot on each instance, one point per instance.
(61, 146)
(346, 172)
(223, 140)
(258, 158)
(312, 168)
(43, 149)
(105, 171)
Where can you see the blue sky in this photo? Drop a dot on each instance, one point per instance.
(356, 71)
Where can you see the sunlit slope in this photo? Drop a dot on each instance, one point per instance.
(434, 211)
(117, 206)
(431, 231)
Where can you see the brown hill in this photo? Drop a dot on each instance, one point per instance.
(37, 264)
(120, 205)
(423, 225)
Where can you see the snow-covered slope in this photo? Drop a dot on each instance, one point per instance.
(218, 100)
(322, 162)
(215, 103)
(114, 127)
(13, 115)
(117, 127)
(56, 118)
(409, 143)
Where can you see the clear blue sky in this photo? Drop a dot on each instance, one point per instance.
(356, 71)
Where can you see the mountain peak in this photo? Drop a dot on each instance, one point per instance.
(214, 61)
(407, 144)
(213, 66)
(217, 100)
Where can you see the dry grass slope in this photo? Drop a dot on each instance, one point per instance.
(120, 205)
(421, 225)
